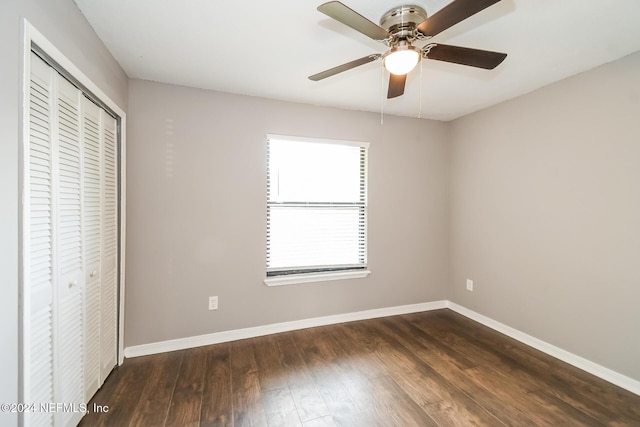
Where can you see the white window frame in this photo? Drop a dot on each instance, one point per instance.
(309, 277)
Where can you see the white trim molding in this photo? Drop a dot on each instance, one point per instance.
(257, 331)
(290, 138)
(315, 277)
(275, 328)
(579, 362)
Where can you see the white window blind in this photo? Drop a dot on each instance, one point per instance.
(316, 205)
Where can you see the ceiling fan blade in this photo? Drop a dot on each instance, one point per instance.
(353, 19)
(454, 12)
(466, 56)
(344, 67)
(396, 85)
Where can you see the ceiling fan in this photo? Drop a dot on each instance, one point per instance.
(402, 27)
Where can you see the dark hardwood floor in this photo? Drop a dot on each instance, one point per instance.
(428, 369)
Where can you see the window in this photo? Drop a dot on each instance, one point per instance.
(316, 209)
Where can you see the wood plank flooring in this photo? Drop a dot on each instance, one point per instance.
(436, 368)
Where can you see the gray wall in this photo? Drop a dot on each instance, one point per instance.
(196, 214)
(546, 214)
(543, 212)
(62, 23)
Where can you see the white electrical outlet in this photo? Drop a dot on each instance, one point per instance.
(213, 303)
(470, 285)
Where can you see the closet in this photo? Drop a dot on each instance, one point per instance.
(70, 247)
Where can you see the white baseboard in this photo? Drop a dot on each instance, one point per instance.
(570, 358)
(257, 331)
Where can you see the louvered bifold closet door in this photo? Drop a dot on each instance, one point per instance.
(39, 268)
(92, 220)
(70, 239)
(69, 335)
(109, 280)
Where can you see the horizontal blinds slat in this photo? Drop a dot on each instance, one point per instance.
(327, 204)
(314, 268)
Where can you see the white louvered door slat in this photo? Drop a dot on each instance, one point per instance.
(92, 213)
(69, 334)
(39, 268)
(109, 281)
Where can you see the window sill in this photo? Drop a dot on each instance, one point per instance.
(315, 277)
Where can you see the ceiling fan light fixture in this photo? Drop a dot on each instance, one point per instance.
(401, 59)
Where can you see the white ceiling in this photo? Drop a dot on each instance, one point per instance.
(268, 48)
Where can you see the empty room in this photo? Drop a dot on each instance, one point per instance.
(296, 213)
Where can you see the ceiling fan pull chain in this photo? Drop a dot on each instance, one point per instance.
(381, 94)
(420, 109)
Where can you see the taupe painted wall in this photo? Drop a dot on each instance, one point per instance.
(63, 24)
(543, 213)
(197, 212)
(545, 207)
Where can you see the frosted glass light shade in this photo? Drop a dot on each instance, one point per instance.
(402, 59)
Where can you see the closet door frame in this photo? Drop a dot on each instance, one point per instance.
(31, 37)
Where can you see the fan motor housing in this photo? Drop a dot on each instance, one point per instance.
(402, 21)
